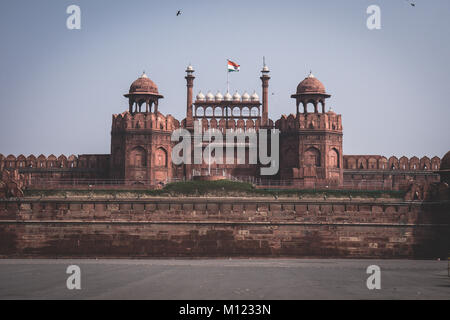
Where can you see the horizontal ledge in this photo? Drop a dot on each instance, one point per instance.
(193, 200)
(254, 223)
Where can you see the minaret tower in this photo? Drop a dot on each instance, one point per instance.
(265, 94)
(190, 85)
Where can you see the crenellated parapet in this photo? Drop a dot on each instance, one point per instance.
(150, 120)
(378, 162)
(42, 162)
(304, 121)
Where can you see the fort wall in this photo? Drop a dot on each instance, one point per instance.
(195, 227)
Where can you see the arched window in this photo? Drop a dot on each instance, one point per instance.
(310, 107)
(209, 112)
(218, 112)
(199, 112)
(312, 157)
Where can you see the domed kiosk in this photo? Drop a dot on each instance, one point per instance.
(143, 90)
(311, 90)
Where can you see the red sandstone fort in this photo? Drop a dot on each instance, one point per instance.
(310, 145)
(410, 222)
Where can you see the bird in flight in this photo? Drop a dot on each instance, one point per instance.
(411, 3)
(178, 13)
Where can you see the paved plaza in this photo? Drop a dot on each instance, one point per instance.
(224, 279)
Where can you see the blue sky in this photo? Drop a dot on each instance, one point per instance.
(59, 87)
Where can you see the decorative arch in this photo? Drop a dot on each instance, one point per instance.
(312, 157)
(138, 157)
(161, 157)
(333, 158)
(404, 163)
(72, 161)
(383, 163)
(218, 112)
(372, 163)
(199, 112)
(209, 111)
(351, 163)
(393, 163)
(254, 112)
(362, 163)
(31, 161)
(42, 161)
(414, 164)
(435, 163)
(62, 161)
(425, 163)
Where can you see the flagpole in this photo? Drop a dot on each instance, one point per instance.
(228, 83)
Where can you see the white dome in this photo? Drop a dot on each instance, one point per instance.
(189, 69)
(200, 96)
(254, 97)
(236, 97)
(219, 96)
(265, 69)
(245, 96)
(228, 97)
(209, 97)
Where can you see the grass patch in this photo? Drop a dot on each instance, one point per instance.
(219, 188)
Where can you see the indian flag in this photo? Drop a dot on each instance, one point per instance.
(233, 66)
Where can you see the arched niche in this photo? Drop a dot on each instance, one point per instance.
(312, 157)
(333, 158)
(138, 157)
(161, 157)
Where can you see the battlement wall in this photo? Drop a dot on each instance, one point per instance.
(33, 163)
(150, 120)
(377, 162)
(324, 121)
(190, 227)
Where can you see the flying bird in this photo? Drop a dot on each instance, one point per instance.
(178, 13)
(411, 3)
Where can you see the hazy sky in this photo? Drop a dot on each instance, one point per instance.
(59, 87)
